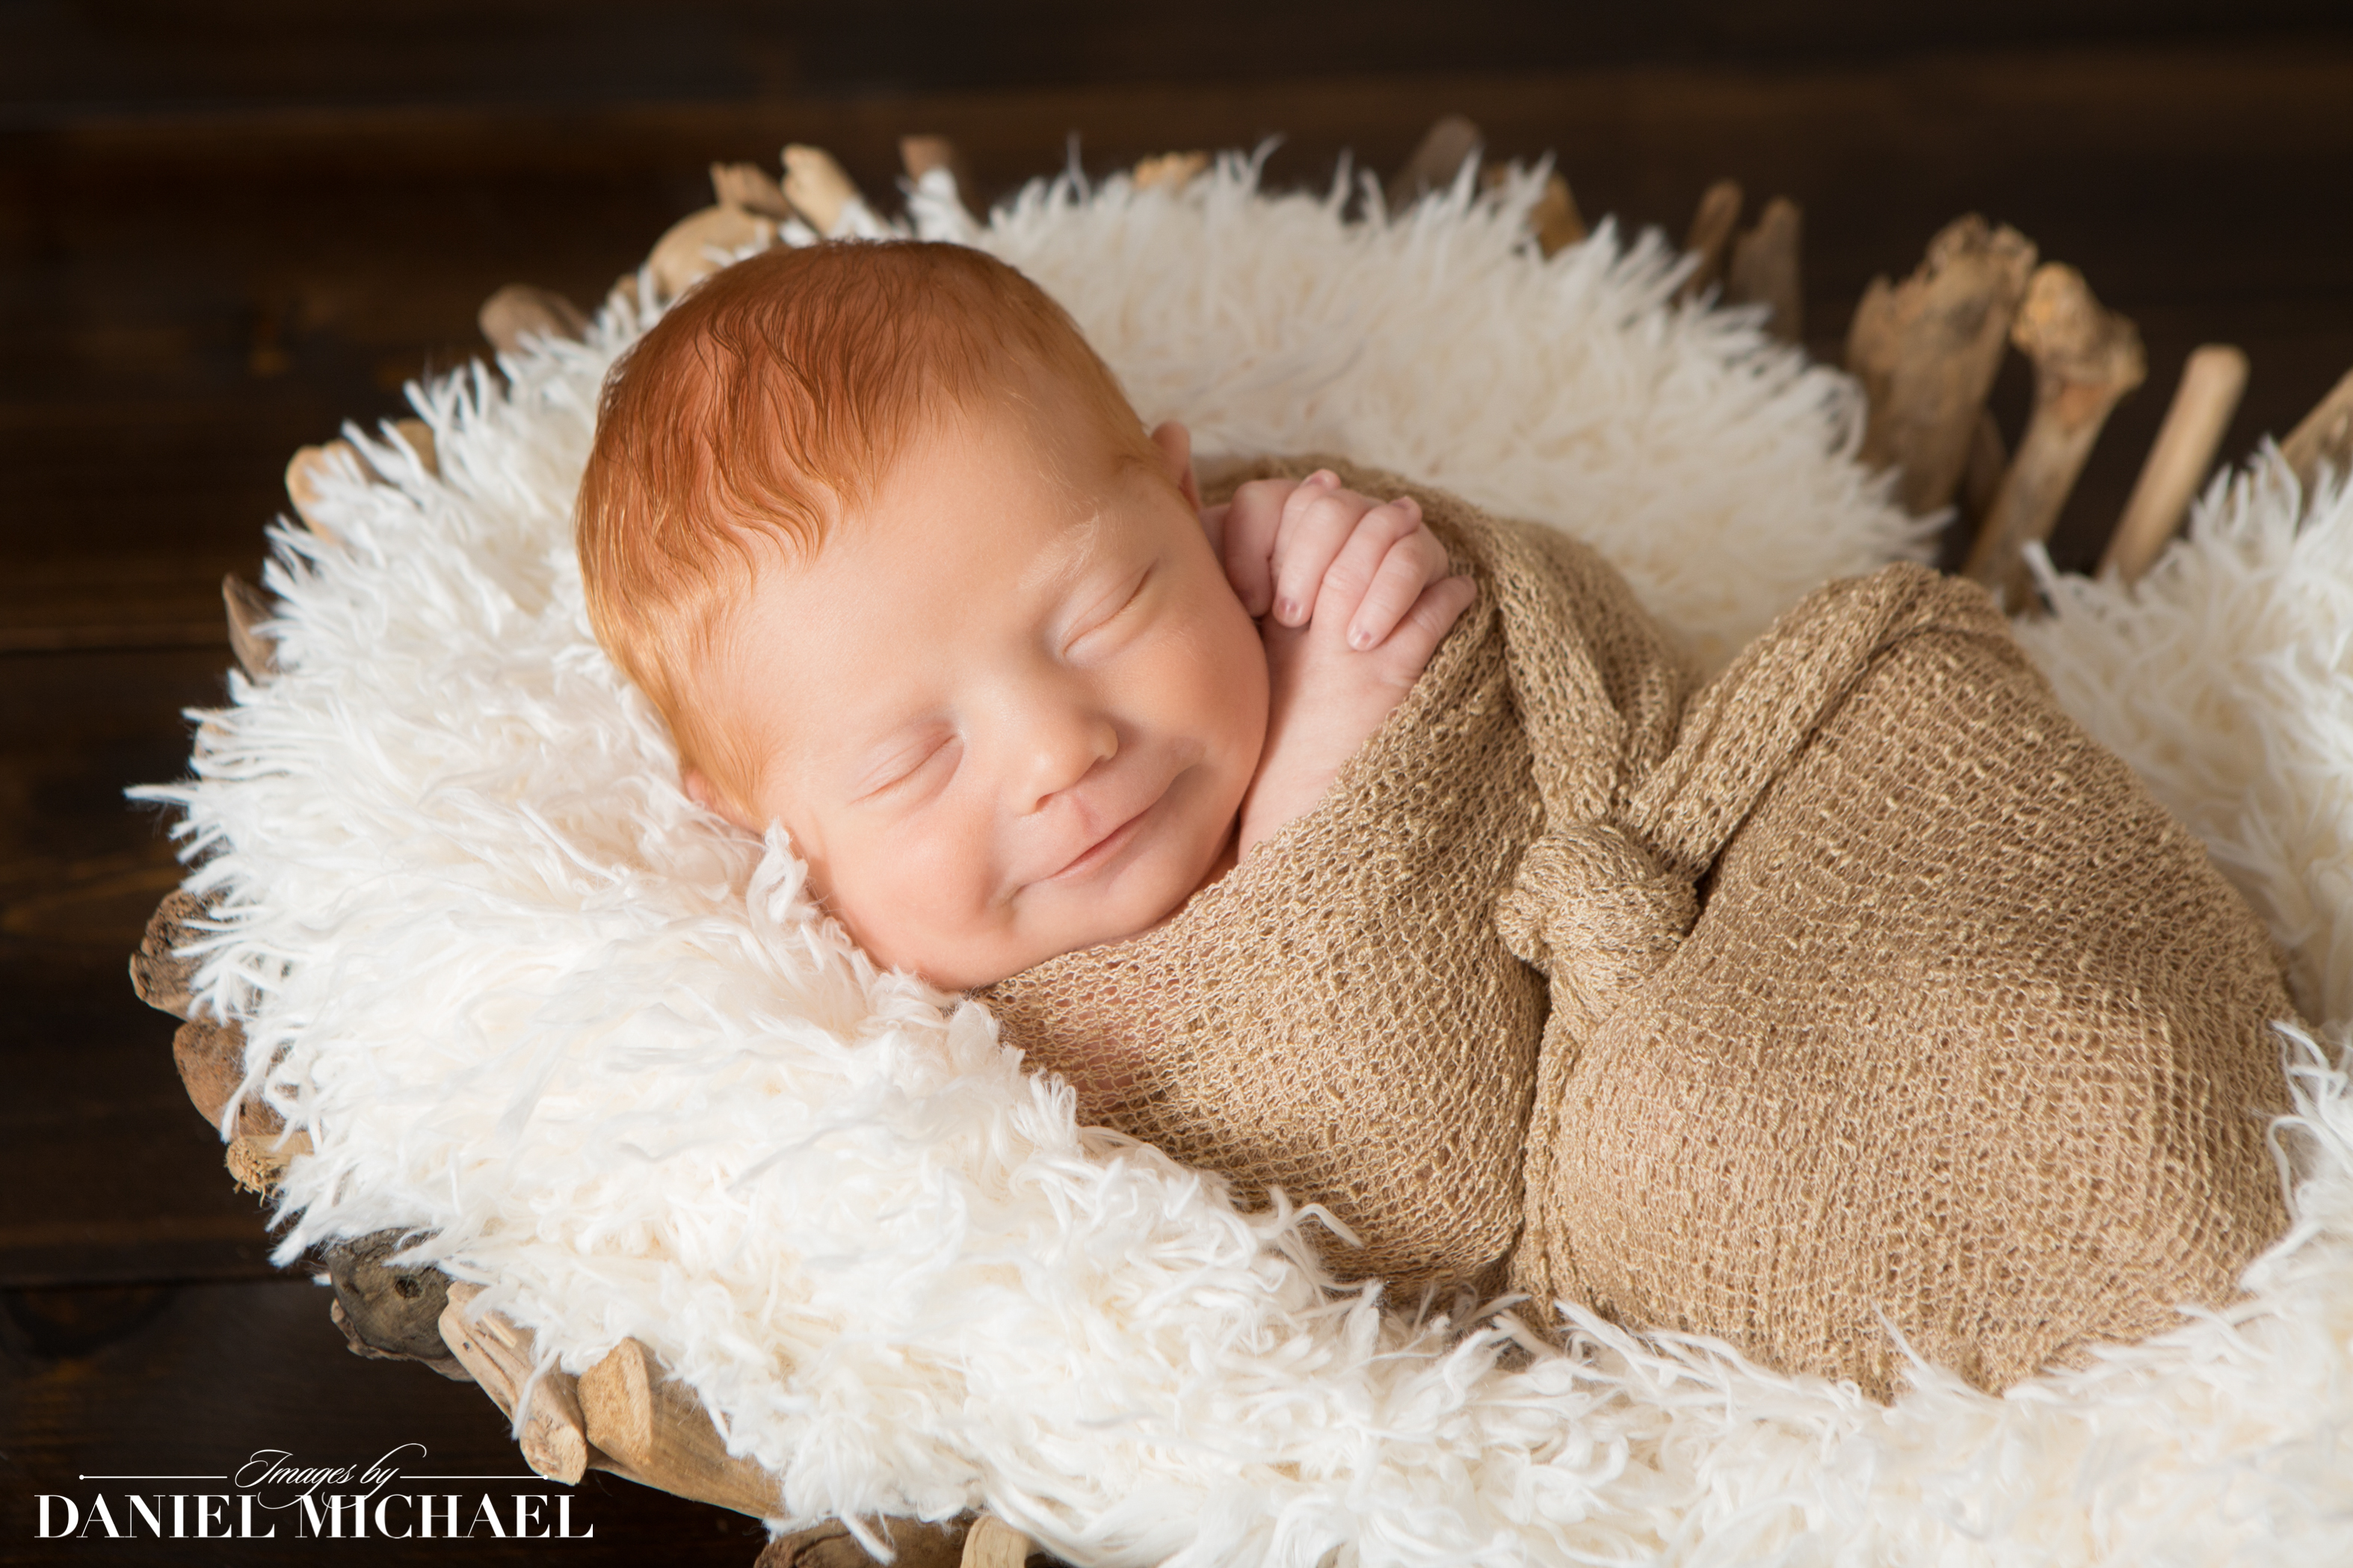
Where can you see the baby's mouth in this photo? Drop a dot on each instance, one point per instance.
(1103, 851)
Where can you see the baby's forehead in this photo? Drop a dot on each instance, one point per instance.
(1057, 486)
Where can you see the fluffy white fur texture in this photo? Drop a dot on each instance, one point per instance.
(605, 1052)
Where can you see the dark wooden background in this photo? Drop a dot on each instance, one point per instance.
(225, 229)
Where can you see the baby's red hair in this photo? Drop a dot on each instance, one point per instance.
(770, 401)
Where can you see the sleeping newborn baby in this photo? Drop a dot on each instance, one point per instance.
(984, 664)
(1338, 839)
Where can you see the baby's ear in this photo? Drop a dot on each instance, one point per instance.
(703, 793)
(1176, 444)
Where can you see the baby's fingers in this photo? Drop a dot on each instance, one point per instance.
(1246, 539)
(1410, 564)
(1416, 636)
(1213, 523)
(1319, 521)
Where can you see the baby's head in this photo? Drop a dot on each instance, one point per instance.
(879, 535)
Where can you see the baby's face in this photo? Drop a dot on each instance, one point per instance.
(1011, 709)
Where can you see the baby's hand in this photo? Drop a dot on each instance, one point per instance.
(1352, 596)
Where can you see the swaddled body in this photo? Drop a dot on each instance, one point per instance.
(1855, 989)
(1880, 996)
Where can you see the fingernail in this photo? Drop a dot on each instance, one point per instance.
(1286, 610)
(1322, 477)
(1360, 639)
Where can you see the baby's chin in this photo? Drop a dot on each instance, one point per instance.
(955, 966)
(970, 966)
(981, 955)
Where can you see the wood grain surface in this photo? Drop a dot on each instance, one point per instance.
(224, 231)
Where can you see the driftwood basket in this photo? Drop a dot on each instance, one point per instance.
(1927, 351)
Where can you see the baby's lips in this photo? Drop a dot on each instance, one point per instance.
(1096, 826)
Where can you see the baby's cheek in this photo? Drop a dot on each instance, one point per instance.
(922, 892)
(1229, 679)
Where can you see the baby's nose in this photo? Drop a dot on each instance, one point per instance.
(1064, 748)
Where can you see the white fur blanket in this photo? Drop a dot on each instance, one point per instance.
(524, 997)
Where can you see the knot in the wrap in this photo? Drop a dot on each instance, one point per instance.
(1596, 911)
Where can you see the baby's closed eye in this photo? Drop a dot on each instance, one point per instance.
(1107, 615)
(906, 772)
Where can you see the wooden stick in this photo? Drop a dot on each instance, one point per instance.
(1554, 220)
(827, 1545)
(1765, 268)
(447, 1365)
(1926, 351)
(817, 187)
(159, 973)
(2212, 382)
(257, 1162)
(830, 1545)
(1981, 479)
(387, 1309)
(2086, 358)
(310, 466)
(304, 472)
(661, 1432)
(1711, 233)
(693, 246)
(419, 437)
(1435, 162)
(523, 309)
(211, 1060)
(503, 1356)
(993, 1544)
(751, 188)
(919, 155)
(2326, 435)
(248, 607)
(1173, 171)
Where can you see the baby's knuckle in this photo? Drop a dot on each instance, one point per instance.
(1404, 577)
(1432, 616)
(1337, 583)
(1259, 510)
(1338, 507)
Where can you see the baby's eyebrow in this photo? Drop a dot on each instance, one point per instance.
(1067, 558)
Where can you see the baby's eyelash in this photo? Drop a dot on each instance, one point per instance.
(1126, 602)
(896, 776)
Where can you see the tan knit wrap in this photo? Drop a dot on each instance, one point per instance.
(1336, 1016)
(1880, 996)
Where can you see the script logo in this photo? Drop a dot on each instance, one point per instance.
(385, 1498)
